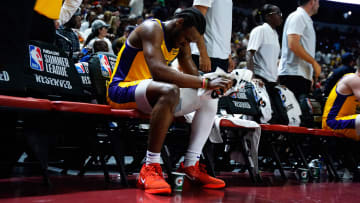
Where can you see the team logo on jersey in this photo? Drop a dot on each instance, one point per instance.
(105, 66)
(36, 60)
(80, 68)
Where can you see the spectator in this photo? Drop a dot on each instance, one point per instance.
(99, 31)
(137, 7)
(297, 62)
(91, 16)
(107, 17)
(99, 46)
(214, 48)
(118, 43)
(114, 26)
(348, 61)
(341, 112)
(109, 6)
(68, 32)
(143, 80)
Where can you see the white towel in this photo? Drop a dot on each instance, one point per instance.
(239, 75)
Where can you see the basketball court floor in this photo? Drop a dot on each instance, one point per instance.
(92, 188)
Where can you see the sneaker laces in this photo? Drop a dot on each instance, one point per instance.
(155, 170)
(202, 168)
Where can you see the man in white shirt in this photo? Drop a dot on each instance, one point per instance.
(298, 67)
(263, 52)
(214, 49)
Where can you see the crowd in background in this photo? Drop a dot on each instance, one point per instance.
(120, 17)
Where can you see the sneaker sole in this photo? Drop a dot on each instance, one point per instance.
(214, 186)
(154, 191)
(159, 191)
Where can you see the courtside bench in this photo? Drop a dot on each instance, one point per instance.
(103, 113)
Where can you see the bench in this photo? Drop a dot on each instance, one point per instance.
(104, 113)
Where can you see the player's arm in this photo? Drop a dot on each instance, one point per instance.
(185, 61)
(151, 36)
(298, 49)
(354, 84)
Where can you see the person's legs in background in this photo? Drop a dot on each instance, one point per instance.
(301, 89)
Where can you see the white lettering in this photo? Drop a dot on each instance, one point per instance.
(4, 76)
(46, 51)
(60, 61)
(57, 70)
(86, 80)
(53, 81)
(244, 105)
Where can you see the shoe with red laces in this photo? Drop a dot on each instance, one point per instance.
(198, 175)
(152, 181)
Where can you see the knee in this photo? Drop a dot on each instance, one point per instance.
(170, 94)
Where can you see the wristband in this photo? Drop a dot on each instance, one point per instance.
(205, 82)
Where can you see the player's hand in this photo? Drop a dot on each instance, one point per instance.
(317, 69)
(220, 83)
(205, 63)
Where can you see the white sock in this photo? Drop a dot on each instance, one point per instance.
(152, 157)
(200, 130)
(205, 112)
(191, 158)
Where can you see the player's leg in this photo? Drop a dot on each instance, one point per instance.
(205, 112)
(159, 99)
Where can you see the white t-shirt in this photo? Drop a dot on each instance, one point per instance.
(91, 43)
(300, 23)
(218, 28)
(265, 41)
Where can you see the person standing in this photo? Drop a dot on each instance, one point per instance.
(263, 51)
(298, 68)
(214, 48)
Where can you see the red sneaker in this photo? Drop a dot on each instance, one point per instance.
(198, 175)
(152, 181)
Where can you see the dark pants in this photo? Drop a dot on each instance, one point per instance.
(301, 88)
(215, 62)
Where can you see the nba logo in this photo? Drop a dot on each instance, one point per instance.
(80, 68)
(105, 66)
(36, 60)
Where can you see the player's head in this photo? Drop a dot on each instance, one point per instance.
(190, 25)
(192, 18)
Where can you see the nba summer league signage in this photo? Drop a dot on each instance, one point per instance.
(52, 63)
(49, 71)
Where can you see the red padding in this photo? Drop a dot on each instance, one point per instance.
(274, 127)
(79, 107)
(134, 113)
(228, 123)
(25, 102)
(299, 130)
(130, 113)
(323, 132)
